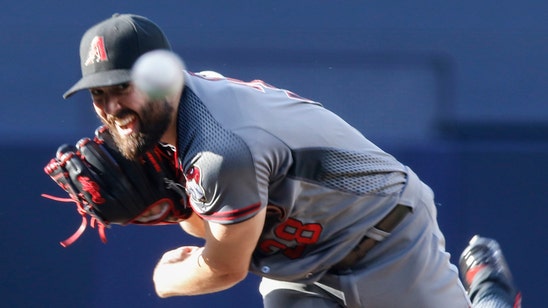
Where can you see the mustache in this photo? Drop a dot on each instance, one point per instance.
(111, 118)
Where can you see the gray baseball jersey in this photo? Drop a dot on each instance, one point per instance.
(245, 146)
(249, 145)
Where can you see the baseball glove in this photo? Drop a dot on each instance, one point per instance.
(112, 189)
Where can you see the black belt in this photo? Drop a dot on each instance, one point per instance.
(387, 224)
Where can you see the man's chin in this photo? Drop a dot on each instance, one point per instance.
(132, 146)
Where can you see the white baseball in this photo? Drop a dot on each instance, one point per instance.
(158, 73)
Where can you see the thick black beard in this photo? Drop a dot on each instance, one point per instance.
(156, 116)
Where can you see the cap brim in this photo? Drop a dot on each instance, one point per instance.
(100, 79)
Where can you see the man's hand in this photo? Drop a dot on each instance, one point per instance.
(173, 267)
(178, 255)
(220, 264)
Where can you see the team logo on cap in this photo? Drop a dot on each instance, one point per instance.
(97, 52)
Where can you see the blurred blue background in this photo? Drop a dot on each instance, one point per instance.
(458, 91)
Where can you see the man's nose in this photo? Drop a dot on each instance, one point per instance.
(112, 105)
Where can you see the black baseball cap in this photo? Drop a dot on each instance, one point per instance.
(109, 49)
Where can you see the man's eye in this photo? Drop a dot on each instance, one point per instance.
(123, 86)
(95, 91)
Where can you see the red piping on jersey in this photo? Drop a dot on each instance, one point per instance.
(232, 215)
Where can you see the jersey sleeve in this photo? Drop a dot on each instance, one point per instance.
(223, 185)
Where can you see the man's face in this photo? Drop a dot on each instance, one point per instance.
(135, 122)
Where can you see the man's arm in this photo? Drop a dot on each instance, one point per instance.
(194, 225)
(221, 263)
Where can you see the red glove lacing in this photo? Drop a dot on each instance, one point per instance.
(94, 221)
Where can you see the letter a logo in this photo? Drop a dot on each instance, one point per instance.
(97, 52)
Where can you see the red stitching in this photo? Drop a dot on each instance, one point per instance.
(92, 188)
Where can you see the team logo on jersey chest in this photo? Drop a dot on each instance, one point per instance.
(194, 184)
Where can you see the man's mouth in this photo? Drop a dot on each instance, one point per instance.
(126, 125)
